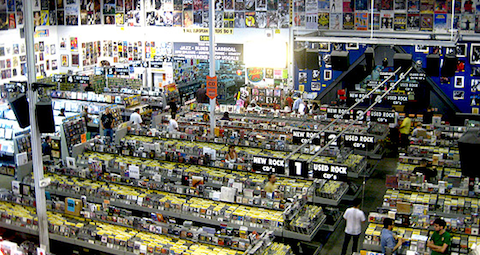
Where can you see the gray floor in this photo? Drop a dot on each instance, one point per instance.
(374, 191)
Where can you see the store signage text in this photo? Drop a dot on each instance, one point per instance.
(330, 171)
(224, 31)
(156, 64)
(336, 113)
(330, 136)
(382, 116)
(417, 76)
(359, 141)
(397, 99)
(301, 137)
(232, 52)
(270, 165)
(298, 168)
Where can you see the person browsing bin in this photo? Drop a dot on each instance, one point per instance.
(47, 147)
(107, 122)
(388, 241)
(232, 155)
(441, 240)
(271, 185)
(136, 119)
(173, 125)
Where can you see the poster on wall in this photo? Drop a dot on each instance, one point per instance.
(255, 74)
(458, 94)
(475, 54)
(64, 58)
(73, 44)
(459, 82)
(475, 85)
(336, 21)
(75, 60)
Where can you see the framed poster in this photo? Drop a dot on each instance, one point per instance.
(64, 58)
(351, 46)
(459, 82)
(327, 75)
(475, 54)
(73, 44)
(461, 50)
(421, 48)
(75, 60)
(458, 94)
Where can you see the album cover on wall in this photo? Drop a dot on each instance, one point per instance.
(361, 20)
(336, 21)
(386, 20)
(400, 22)
(323, 20)
(387, 5)
(440, 24)
(426, 22)
(272, 19)
(400, 5)
(467, 22)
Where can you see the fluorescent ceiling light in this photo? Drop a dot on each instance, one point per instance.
(269, 53)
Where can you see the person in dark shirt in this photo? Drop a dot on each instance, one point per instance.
(427, 117)
(201, 95)
(423, 169)
(46, 146)
(107, 122)
(62, 112)
(89, 88)
(173, 107)
(226, 116)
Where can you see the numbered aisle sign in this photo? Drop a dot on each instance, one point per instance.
(298, 168)
(269, 165)
(211, 87)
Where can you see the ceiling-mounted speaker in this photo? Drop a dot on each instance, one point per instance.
(449, 65)
(402, 60)
(44, 112)
(300, 58)
(312, 60)
(340, 61)
(433, 65)
(19, 105)
(369, 58)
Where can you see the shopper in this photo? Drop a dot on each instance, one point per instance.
(201, 95)
(387, 238)
(173, 107)
(428, 115)
(173, 125)
(89, 88)
(85, 114)
(419, 131)
(354, 218)
(296, 104)
(232, 155)
(107, 122)
(289, 101)
(62, 112)
(271, 185)
(429, 174)
(315, 109)
(136, 119)
(404, 129)
(226, 116)
(441, 240)
(47, 146)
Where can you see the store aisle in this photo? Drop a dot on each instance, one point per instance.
(374, 191)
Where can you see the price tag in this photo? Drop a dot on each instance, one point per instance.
(298, 168)
(329, 171)
(269, 165)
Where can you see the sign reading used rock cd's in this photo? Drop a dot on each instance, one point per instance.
(359, 141)
(397, 99)
(269, 165)
(233, 52)
(301, 137)
(329, 171)
(382, 116)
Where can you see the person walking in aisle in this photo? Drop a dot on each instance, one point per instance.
(107, 123)
(405, 132)
(387, 238)
(354, 218)
(173, 125)
(136, 119)
(173, 107)
(441, 240)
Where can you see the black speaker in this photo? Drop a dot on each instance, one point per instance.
(340, 60)
(300, 58)
(19, 106)
(433, 65)
(468, 146)
(44, 112)
(369, 58)
(312, 60)
(402, 60)
(449, 65)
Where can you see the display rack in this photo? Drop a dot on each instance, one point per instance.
(74, 131)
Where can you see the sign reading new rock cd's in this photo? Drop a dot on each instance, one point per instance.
(270, 165)
(301, 137)
(336, 113)
(329, 171)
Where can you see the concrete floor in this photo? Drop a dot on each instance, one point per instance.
(374, 191)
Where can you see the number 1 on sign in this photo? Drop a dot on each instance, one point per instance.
(298, 168)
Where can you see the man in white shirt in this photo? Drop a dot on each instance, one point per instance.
(354, 218)
(136, 119)
(172, 125)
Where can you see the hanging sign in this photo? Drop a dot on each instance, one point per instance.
(298, 168)
(301, 137)
(336, 113)
(269, 165)
(329, 171)
(328, 136)
(156, 64)
(382, 116)
(397, 99)
(58, 78)
(359, 141)
(81, 79)
(212, 87)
